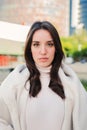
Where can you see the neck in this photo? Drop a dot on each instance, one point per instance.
(44, 70)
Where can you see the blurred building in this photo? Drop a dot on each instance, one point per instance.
(74, 16)
(83, 13)
(78, 15)
(12, 38)
(28, 11)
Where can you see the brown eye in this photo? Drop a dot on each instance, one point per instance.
(36, 44)
(50, 44)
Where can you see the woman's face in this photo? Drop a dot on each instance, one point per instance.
(42, 48)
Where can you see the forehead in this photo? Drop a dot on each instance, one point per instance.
(42, 33)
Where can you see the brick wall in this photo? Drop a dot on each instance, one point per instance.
(28, 11)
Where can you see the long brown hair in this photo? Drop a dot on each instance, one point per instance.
(34, 78)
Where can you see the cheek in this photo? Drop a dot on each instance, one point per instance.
(52, 53)
(34, 54)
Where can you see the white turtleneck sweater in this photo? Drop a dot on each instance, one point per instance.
(46, 111)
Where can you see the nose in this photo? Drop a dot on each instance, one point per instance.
(43, 50)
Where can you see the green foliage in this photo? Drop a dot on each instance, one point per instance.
(78, 55)
(84, 82)
(67, 45)
(76, 45)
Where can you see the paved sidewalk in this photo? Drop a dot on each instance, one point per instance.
(80, 69)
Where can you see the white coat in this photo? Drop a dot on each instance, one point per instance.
(75, 117)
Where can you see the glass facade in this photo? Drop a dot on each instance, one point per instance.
(83, 13)
(73, 19)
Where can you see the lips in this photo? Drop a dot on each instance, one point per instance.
(43, 59)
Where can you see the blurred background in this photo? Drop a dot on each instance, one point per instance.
(68, 16)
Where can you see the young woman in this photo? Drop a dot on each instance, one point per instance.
(44, 93)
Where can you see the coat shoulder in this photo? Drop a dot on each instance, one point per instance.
(15, 79)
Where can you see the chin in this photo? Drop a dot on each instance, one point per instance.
(44, 65)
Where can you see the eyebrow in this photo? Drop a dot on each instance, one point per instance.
(50, 41)
(35, 41)
(47, 41)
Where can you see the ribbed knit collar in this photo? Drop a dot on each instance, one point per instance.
(44, 70)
